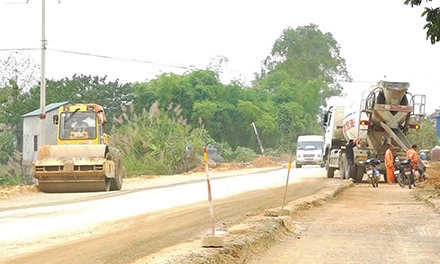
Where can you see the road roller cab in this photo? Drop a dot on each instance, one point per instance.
(82, 160)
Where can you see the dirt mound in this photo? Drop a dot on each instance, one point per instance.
(435, 154)
(262, 161)
(258, 162)
(433, 176)
(10, 191)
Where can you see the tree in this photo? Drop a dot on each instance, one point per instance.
(20, 69)
(426, 137)
(87, 89)
(284, 119)
(13, 104)
(303, 70)
(305, 54)
(173, 88)
(204, 111)
(18, 74)
(432, 15)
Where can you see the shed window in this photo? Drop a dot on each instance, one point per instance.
(35, 143)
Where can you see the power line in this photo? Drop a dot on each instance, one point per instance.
(103, 57)
(20, 49)
(120, 59)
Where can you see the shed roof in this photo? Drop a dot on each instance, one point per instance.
(49, 108)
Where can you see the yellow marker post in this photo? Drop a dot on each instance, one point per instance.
(282, 211)
(210, 241)
(287, 181)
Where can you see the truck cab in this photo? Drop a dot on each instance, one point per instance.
(309, 150)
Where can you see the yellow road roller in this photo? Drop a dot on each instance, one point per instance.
(82, 160)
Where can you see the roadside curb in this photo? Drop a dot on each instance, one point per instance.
(255, 235)
(433, 203)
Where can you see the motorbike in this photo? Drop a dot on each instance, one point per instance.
(371, 170)
(404, 173)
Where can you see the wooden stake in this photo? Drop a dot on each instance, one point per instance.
(211, 209)
(287, 181)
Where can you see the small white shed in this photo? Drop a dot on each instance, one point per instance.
(32, 137)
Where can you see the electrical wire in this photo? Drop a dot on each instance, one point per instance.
(20, 49)
(118, 58)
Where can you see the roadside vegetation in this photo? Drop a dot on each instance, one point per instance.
(162, 125)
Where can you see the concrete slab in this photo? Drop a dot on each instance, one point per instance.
(276, 212)
(212, 241)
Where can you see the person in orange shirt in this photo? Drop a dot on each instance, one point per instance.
(414, 158)
(389, 164)
(412, 155)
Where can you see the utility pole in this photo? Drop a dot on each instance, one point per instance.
(43, 75)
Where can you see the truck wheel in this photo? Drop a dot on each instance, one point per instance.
(359, 173)
(108, 184)
(330, 172)
(298, 166)
(342, 167)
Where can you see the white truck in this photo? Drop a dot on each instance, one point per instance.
(383, 115)
(309, 150)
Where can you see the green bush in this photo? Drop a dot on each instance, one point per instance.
(242, 154)
(269, 152)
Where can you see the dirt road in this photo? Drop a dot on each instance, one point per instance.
(361, 225)
(130, 239)
(364, 225)
(348, 224)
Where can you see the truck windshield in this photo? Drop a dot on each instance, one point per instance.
(310, 145)
(77, 125)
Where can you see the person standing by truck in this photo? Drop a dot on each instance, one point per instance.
(349, 153)
(389, 164)
(411, 154)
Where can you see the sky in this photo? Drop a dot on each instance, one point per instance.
(136, 40)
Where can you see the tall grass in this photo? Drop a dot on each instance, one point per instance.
(156, 143)
(10, 172)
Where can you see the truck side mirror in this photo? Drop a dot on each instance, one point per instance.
(325, 121)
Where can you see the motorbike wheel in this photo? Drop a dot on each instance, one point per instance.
(421, 175)
(401, 179)
(411, 180)
(376, 181)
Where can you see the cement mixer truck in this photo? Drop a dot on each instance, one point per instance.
(383, 115)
